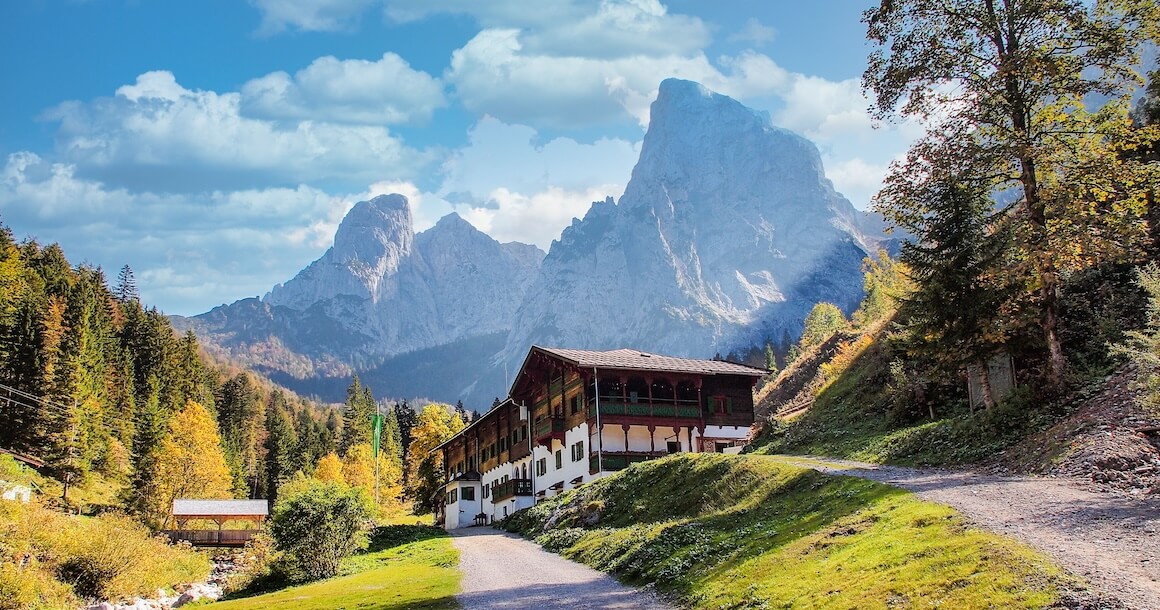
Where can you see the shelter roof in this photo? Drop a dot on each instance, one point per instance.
(220, 508)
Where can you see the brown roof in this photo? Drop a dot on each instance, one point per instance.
(638, 360)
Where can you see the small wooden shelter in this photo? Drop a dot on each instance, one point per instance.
(250, 512)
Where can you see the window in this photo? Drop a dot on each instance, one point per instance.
(559, 459)
(453, 496)
(486, 490)
(575, 405)
(578, 451)
(541, 467)
(469, 493)
(674, 446)
(719, 404)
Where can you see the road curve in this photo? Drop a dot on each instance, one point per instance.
(505, 572)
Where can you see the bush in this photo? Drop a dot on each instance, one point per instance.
(109, 557)
(317, 523)
(255, 566)
(32, 588)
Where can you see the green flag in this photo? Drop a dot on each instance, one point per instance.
(377, 431)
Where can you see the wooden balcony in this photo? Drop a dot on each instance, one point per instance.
(549, 428)
(615, 406)
(619, 460)
(511, 488)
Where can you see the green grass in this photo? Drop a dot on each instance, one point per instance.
(406, 566)
(727, 532)
(854, 416)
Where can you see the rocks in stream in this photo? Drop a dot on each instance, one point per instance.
(223, 566)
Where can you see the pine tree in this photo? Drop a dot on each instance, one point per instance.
(356, 416)
(281, 445)
(957, 315)
(126, 289)
(407, 419)
(770, 359)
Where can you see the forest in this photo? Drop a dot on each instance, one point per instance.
(101, 388)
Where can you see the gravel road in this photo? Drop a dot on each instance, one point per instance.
(504, 571)
(1112, 541)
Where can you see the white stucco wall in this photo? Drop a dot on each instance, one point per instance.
(461, 513)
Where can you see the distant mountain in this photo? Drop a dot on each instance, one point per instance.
(727, 234)
(378, 292)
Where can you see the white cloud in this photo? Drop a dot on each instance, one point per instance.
(499, 155)
(493, 74)
(156, 134)
(309, 15)
(537, 218)
(754, 32)
(190, 251)
(385, 91)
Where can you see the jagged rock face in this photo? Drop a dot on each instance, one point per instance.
(381, 290)
(369, 246)
(728, 233)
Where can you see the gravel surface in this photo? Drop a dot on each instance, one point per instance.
(502, 570)
(1110, 540)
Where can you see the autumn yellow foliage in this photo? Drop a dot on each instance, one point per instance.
(329, 469)
(190, 462)
(358, 470)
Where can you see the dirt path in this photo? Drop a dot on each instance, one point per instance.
(1111, 541)
(504, 571)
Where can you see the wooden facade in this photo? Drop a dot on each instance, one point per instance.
(603, 411)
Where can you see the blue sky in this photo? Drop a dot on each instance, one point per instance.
(214, 146)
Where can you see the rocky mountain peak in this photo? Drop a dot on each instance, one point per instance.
(376, 229)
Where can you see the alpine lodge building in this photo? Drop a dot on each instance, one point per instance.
(572, 416)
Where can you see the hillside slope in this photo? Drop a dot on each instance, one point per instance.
(720, 531)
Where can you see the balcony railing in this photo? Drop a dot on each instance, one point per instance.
(510, 488)
(682, 409)
(549, 426)
(619, 460)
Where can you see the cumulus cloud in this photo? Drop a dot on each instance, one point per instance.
(156, 134)
(190, 251)
(536, 218)
(385, 91)
(502, 155)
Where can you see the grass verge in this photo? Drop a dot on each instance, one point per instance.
(856, 412)
(731, 532)
(405, 566)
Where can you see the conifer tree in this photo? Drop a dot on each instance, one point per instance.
(281, 445)
(126, 288)
(356, 416)
(957, 315)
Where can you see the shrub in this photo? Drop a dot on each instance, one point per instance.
(318, 523)
(32, 588)
(109, 557)
(255, 566)
(1143, 346)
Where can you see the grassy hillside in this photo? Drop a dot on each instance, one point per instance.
(721, 531)
(406, 566)
(843, 399)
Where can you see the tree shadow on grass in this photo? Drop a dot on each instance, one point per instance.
(390, 536)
